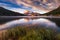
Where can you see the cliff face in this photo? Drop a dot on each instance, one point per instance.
(5, 12)
(54, 12)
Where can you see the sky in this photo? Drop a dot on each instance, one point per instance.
(40, 6)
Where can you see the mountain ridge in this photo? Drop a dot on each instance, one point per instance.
(5, 12)
(54, 12)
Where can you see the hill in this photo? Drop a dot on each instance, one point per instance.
(5, 12)
(55, 12)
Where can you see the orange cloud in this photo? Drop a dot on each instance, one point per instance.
(44, 5)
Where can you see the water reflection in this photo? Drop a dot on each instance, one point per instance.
(42, 22)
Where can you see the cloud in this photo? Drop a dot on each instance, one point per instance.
(32, 3)
(40, 6)
(14, 9)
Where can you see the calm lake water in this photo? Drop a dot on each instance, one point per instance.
(47, 22)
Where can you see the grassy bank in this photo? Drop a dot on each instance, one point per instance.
(30, 33)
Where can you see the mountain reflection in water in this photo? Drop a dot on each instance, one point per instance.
(42, 22)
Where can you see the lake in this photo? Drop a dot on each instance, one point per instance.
(42, 21)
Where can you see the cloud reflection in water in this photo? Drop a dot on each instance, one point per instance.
(29, 22)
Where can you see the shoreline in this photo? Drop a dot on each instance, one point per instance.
(29, 16)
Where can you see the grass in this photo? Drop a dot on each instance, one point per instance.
(30, 33)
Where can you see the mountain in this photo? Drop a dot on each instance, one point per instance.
(5, 12)
(55, 12)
